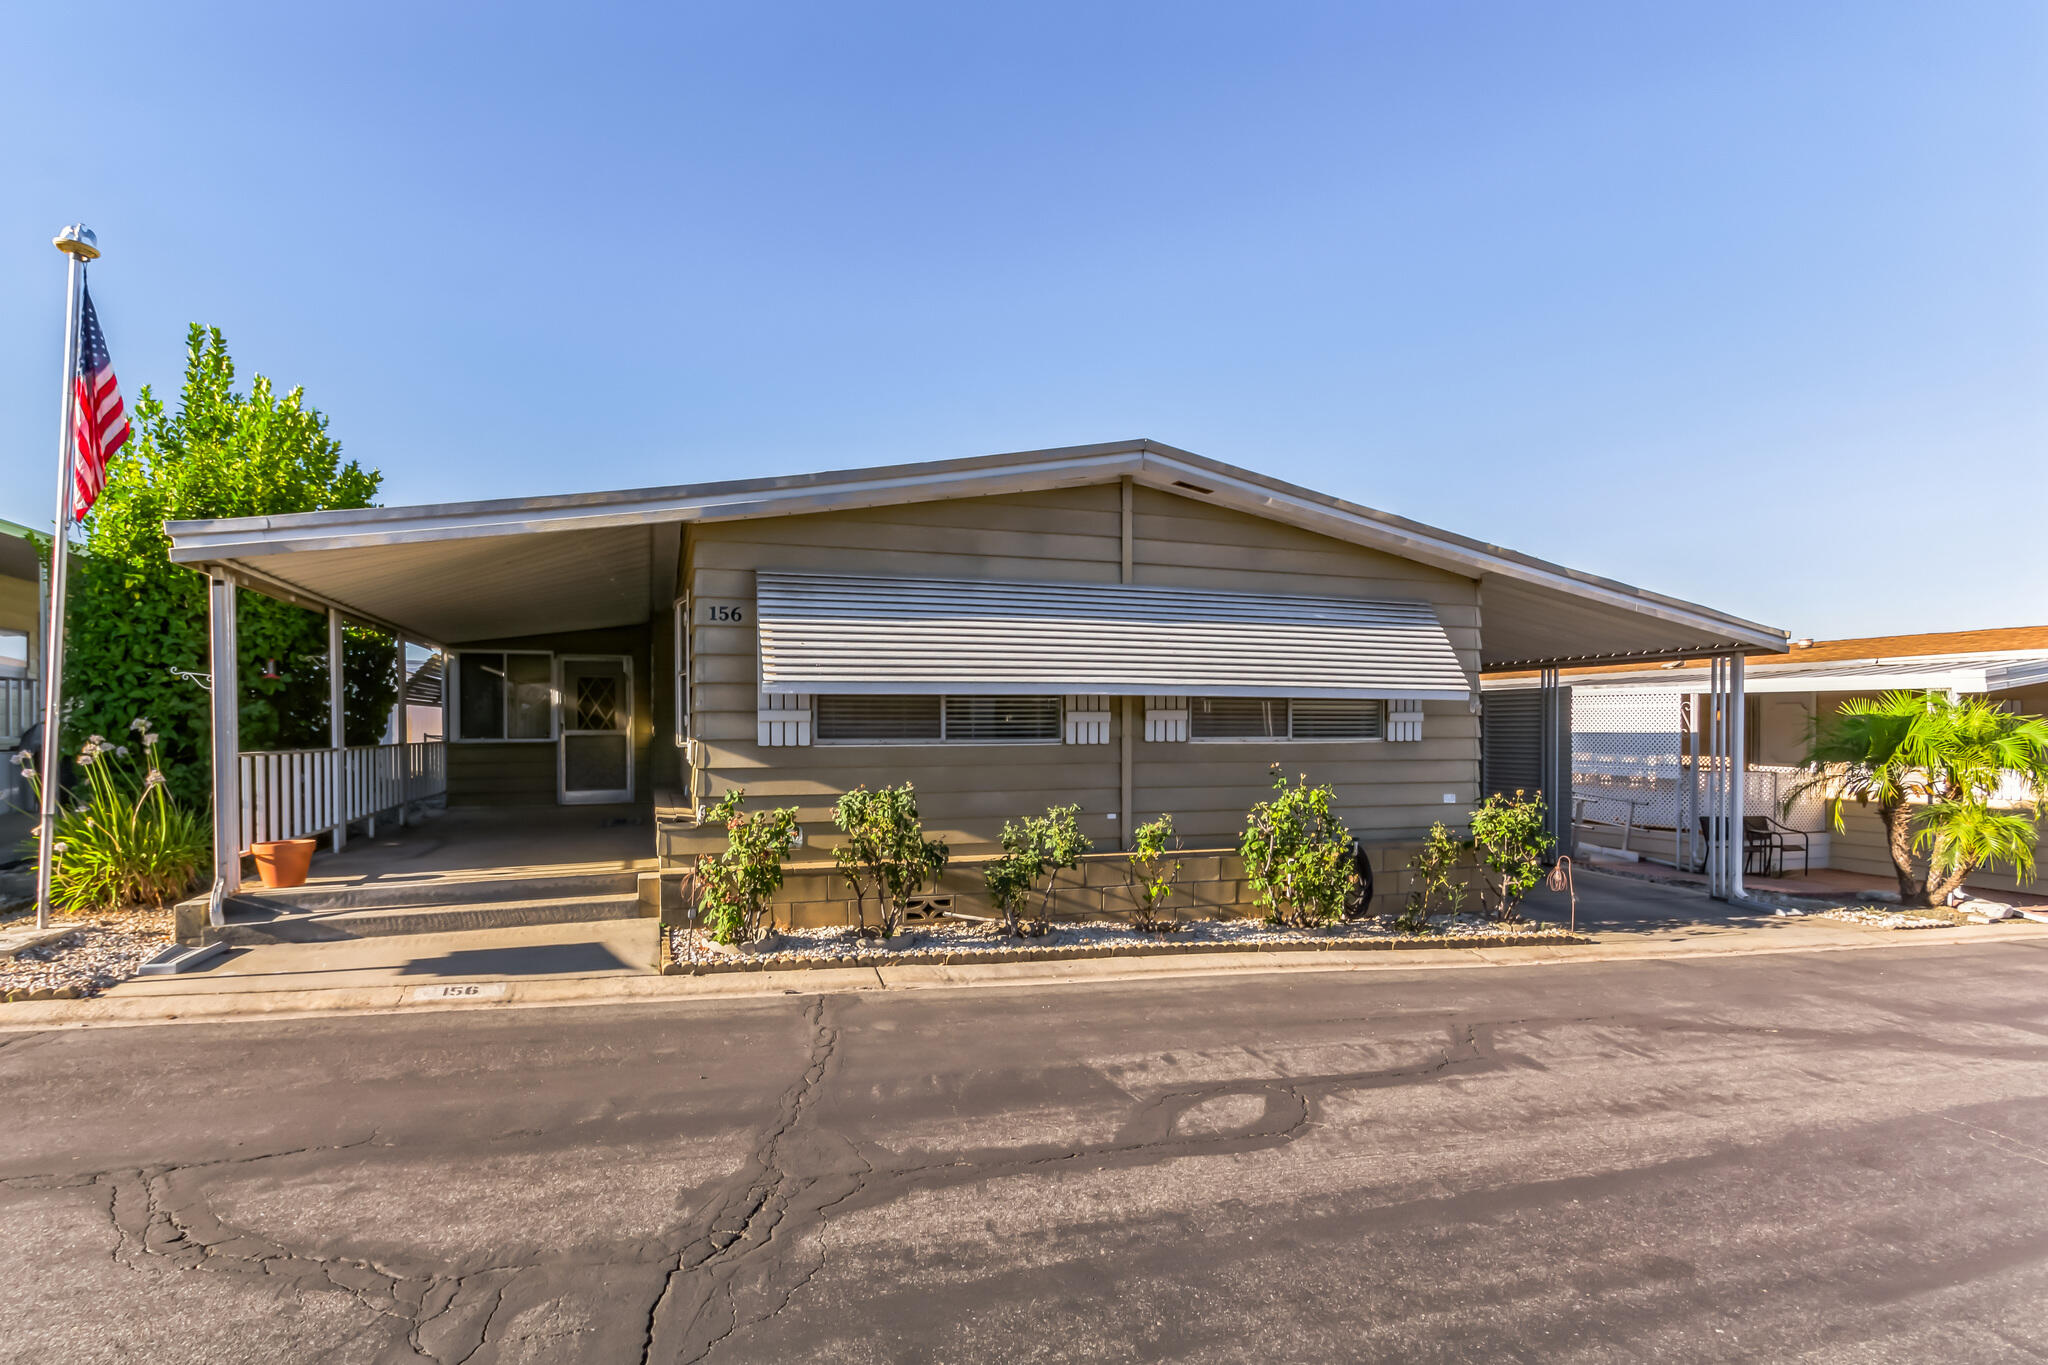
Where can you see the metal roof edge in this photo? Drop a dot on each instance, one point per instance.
(1447, 549)
(223, 540)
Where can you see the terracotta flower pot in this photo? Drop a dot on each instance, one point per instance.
(284, 862)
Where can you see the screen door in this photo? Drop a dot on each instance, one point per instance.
(596, 729)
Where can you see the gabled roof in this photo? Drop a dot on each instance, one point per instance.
(484, 569)
(1948, 643)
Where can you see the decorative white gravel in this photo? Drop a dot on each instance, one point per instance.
(1883, 919)
(958, 942)
(104, 950)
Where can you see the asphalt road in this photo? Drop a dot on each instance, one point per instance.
(1826, 1156)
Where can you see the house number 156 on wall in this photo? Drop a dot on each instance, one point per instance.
(724, 615)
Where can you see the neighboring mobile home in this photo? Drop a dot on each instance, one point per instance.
(21, 635)
(1635, 725)
(21, 631)
(1126, 626)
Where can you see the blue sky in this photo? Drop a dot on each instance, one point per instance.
(1742, 302)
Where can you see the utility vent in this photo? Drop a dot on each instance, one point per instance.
(925, 909)
(1088, 719)
(783, 719)
(1166, 720)
(1404, 720)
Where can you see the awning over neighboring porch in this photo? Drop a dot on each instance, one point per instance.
(854, 634)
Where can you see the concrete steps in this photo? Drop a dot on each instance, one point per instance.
(251, 926)
(433, 891)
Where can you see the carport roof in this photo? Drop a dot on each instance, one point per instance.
(482, 570)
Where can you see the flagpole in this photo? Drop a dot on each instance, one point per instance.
(79, 245)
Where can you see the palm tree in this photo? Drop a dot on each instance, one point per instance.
(1931, 763)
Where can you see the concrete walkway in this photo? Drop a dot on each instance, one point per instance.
(613, 962)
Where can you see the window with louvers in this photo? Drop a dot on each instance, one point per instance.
(953, 720)
(1002, 719)
(1237, 718)
(1322, 718)
(1300, 718)
(875, 720)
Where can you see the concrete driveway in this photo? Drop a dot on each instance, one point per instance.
(1828, 1156)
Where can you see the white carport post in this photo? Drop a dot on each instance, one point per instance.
(399, 735)
(337, 730)
(1727, 778)
(226, 688)
(1738, 777)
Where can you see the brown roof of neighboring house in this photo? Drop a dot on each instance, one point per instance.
(2000, 640)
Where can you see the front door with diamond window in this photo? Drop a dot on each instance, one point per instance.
(596, 697)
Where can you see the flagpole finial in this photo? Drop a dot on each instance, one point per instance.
(77, 240)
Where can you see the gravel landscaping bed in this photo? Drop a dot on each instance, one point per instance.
(1884, 919)
(691, 951)
(102, 951)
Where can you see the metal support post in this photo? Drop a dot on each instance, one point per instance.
(227, 737)
(337, 727)
(1738, 777)
(53, 634)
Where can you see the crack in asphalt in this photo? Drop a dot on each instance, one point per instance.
(742, 1225)
(726, 1271)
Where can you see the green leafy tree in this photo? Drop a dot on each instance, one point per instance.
(1931, 766)
(1509, 838)
(1297, 853)
(883, 851)
(1153, 869)
(134, 616)
(1045, 843)
(739, 880)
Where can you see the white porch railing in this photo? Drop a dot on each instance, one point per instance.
(290, 793)
(21, 704)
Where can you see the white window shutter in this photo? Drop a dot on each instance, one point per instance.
(1404, 720)
(1087, 720)
(784, 719)
(1166, 720)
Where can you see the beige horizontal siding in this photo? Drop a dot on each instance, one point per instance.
(485, 774)
(967, 791)
(1861, 847)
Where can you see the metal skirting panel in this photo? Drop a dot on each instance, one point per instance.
(1525, 746)
(1511, 742)
(830, 633)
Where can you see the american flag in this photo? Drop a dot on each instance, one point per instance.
(100, 424)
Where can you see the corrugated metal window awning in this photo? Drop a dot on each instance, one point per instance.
(831, 633)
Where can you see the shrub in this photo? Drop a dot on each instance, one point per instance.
(1152, 874)
(739, 881)
(1051, 842)
(1297, 853)
(1508, 836)
(1439, 888)
(129, 843)
(885, 852)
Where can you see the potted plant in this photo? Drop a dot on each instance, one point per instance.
(283, 862)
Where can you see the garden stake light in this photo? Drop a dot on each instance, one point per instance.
(1561, 880)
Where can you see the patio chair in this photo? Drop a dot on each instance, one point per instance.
(1772, 840)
